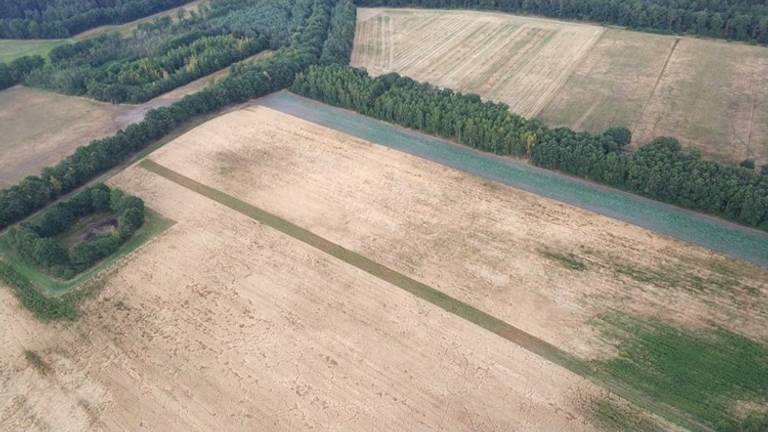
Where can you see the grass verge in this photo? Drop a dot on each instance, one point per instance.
(698, 372)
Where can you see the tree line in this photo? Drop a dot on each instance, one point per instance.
(661, 170)
(41, 19)
(36, 244)
(745, 20)
(245, 82)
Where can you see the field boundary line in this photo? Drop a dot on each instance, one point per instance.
(655, 87)
(456, 307)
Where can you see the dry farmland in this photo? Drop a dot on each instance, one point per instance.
(224, 322)
(706, 93)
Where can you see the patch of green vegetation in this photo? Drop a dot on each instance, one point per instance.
(613, 417)
(567, 260)
(49, 298)
(697, 372)
(37, 362)
(44, 308)
(11, 49)
(50, 286)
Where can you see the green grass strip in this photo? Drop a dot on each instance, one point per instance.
(438, 298)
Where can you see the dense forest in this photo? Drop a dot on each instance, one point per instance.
(745, 20)
(41, 19)
(313, 40)
(660, 170)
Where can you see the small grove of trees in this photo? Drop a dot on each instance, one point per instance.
(660, 170)
(103, 67)
(35, 241)
(257, 79)
(17, 70)
(745, 20)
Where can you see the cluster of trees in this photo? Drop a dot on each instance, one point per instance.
(338, 45)
(107, 68)
(166, 53)
(745, 20)
(35, 241)
(253, 80)
(16, 71)
(660, 170)
(40, 19)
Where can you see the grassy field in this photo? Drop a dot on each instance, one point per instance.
(706, 93)
(11, 49)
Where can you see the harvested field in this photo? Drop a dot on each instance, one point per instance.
(222, 323)
(706, 93)
(505, 252)
(40, 127)
(127, 28)
(520, 61)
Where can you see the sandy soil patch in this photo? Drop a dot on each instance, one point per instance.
(491, 246)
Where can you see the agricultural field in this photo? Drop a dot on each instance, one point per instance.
(40, 127)
(224, 323)
(248, 312)
(706, 93)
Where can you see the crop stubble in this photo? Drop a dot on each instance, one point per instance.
(706, 93)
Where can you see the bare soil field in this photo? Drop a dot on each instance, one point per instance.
(706, 93)
(40, 127)
(222, 323)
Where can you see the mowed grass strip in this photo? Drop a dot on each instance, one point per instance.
(437, 298)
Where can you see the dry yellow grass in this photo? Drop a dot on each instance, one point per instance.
(707, 93)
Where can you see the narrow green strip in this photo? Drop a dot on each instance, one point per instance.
(438, 298)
